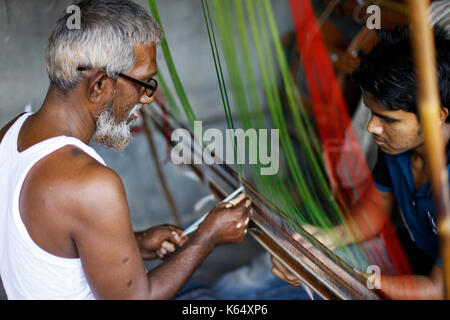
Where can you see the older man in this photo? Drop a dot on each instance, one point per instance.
(65, 230)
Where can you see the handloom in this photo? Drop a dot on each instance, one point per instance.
(324, 173)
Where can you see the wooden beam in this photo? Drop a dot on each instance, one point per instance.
(429, 109)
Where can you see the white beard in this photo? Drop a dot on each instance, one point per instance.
(111, 134)
(136, 109)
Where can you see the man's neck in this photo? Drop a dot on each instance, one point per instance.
(66, 115)
(420, 151)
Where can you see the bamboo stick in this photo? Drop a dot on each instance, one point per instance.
(429, 108)
(159, 170)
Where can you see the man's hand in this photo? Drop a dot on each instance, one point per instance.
(283, 273)
(280, 271)
(160, 241)
(227, 223)
(322, 235)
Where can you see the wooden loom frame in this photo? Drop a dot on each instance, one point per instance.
(315, 265)
(321, 270)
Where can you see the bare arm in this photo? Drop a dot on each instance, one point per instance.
(105, 240)
(366, 221)
(159, 241)
(368, 217)
(407, 287)
(413, 287)
(168, 278)
(109, 252)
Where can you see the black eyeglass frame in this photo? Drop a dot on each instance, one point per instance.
(148, 86)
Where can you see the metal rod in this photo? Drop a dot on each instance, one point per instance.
(195, 225)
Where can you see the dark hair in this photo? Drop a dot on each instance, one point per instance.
(388, 73)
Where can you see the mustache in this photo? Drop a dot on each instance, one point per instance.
(378, 138)
(136, 108)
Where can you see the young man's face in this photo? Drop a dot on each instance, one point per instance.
(393, 131)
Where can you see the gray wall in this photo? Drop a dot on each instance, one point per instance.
(24, 28)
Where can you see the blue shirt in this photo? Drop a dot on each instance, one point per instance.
(394, 173)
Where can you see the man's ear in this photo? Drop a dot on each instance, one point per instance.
(443, 114)
(100, 88)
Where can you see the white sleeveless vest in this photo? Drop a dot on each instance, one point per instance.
(27, 271)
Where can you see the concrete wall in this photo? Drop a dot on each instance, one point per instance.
(24, 28)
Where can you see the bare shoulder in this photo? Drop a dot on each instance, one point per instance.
(98, 186)
(92, 185)
(100, 197)
(74, 186)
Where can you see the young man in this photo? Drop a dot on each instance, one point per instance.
(65, 230)
(387, 79)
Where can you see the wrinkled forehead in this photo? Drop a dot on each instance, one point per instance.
(145, 61)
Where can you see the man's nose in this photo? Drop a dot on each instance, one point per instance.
(145, 99)
(374, 126)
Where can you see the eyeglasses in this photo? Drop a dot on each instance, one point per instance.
(150, 86)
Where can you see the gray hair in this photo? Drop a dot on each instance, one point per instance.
(109, 30)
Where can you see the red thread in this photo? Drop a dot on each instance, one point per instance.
(339, 141)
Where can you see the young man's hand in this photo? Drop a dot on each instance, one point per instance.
(160, 241)
(280, 271)
(322, 235)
